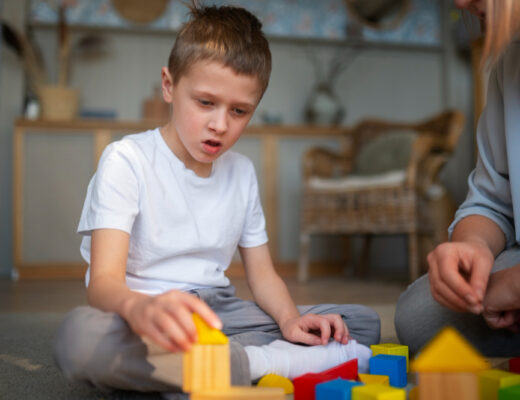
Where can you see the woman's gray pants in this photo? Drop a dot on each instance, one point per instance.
(100, 348)
(418, 317)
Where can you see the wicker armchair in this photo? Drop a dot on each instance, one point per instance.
(337, 201)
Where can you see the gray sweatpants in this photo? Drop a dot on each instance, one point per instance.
(100, 348)
(418, 317)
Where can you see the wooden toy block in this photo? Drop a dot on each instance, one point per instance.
(277, 381)
(206, 367)
(304, 385)
(381, 379)
(337, 389)
(492, 380)
(447, 368)
(240, 393)
(391, 348)
(347, 370)
(448, 351)
(207, 334)
(413, 394)
(509, 393)
(393, 366)
(377, 392)
(514, 365)
(448, 386)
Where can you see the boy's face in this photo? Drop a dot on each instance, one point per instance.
(211, 106)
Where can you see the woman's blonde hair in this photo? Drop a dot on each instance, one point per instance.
(502, 24)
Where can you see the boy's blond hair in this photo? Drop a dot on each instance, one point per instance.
(502, 24)
(229, 35)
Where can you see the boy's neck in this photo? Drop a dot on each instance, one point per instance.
(171, 139)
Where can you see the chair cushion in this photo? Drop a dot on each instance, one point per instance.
(351, 183)
(388, 152)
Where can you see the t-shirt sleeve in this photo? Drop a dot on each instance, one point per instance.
(254, 233)
(112, 200)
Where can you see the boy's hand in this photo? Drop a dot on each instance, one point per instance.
(502, 300)
(167, 318)
(300, 329)
(458, 273)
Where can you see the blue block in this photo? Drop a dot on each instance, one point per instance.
(392, 366)
(337, 389)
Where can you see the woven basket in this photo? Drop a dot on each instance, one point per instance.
(59, 102)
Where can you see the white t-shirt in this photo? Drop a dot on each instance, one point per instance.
(184, 229)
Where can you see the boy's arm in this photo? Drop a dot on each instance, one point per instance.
(166, 318)
(272, 296)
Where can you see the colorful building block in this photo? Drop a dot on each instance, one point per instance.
(377, 392)
(391, 348)
(273, 380)
(240, 393)
(393, 366)
(490, 381)
(207, 334)
(509, 393)
(206, 367)
(337, 389)
(447, 368)
(380, 379)
(514, 365)
(413, 394)
(304, 385)
(448, 351)
(347, 370)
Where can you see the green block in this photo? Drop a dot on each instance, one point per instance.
(509, 393)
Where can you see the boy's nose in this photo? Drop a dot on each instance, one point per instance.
(218, 122)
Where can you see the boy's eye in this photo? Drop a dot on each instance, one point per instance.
(204, 102)
(239, 111)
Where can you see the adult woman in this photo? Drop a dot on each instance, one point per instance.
(474, 280)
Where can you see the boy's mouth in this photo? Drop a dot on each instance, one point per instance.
(212, 146)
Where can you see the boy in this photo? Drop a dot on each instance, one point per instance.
(162, 219)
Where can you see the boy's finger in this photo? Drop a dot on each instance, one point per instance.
(185, 321)
(307, 338)
(206, 313)
(173, 331)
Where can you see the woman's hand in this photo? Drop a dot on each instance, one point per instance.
(458, 273)
(315, 329)
(502, 300)
(167, 318)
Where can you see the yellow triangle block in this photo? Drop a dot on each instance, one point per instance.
(448, 351)
(277, 381)
(207, 334)
(368, 378)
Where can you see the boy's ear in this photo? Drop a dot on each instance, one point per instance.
(166, 84)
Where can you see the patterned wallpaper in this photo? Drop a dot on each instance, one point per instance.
(326, 19)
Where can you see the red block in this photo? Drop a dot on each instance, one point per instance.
(304, 385)
(348, 370)
(514, 365)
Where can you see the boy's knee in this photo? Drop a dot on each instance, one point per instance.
(77, 345)
(365, 327)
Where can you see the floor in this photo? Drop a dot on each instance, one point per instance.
(61, 296)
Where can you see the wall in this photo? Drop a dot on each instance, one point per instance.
(11, 101)
(384, 82)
